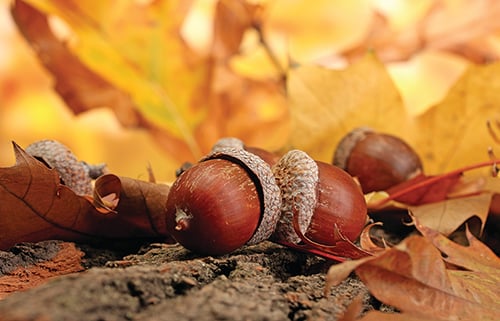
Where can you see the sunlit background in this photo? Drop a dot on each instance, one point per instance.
(30, 110)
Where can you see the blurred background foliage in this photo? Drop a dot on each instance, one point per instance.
(158, 82)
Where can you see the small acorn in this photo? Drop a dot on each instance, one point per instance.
(377, 160)
(227, 200)
(323, 198)
(75, 174)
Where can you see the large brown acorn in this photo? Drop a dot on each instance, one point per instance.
(377, 160)
(227, 200)
(321, 203)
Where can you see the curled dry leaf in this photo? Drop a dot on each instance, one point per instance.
(413, 277)
(366, 242)
(35, 206)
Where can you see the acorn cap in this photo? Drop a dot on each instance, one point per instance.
(232, 142)
(72, 172)
(261, 173)
(346, 145)
(297, 176)
(227, 142)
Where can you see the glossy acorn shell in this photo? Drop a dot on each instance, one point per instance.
(213, 207)
(322, 197)
(377, 160)
(339, 201)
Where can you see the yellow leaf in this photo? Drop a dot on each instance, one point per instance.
(325, 104)
(453, 133)
(137, 50)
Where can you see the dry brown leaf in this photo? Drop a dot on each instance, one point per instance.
(476, 257)
(413, 277)
(35, 206)
(446, 216)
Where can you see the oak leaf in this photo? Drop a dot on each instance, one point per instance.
(326, 104)
(35, 206)
(413, 277)
(454, 133)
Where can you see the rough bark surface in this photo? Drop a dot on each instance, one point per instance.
(166, 282)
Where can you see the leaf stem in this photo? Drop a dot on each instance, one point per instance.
(257, 25)
(433, 179)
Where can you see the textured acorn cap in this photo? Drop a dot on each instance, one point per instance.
(227, 142)
(232, 142)
(297, 175)
(346, 145)
(257, 167)
(73, 173)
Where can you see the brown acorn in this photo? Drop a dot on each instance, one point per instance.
(227, 200)
(377, 160)
(326, 201)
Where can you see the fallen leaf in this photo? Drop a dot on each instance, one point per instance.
(453, 133)
(35, 206)
(413, 277)
(326, 104)
(446, 216)
(476, 257)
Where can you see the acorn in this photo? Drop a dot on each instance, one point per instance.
(377, 160)
(326, 201)
(228, 199)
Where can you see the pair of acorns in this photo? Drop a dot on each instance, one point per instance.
(240, 195)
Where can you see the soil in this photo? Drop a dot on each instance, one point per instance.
(166, 282)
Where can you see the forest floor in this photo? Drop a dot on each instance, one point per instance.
(166, 282)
